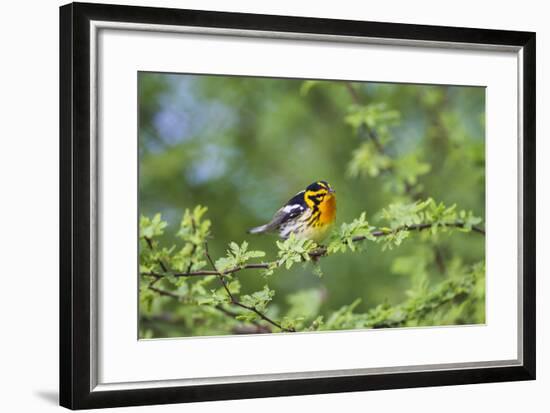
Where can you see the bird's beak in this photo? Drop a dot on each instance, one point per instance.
(331, 191)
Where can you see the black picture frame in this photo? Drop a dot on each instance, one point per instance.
(75, 220)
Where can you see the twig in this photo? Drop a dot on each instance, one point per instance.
(152, 247)
(376, 140)
(353, 93)
(165, 293)
(157, 277)
(256, 266)
(235, 301)
(253, 328)
(194, 248)
(207, 273)
(320, 252)
(419, 227)
(258, 327)
(371, 132)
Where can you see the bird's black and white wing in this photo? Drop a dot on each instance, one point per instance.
(293, 208)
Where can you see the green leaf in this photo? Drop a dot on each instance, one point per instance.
(150, 228)
(294, 250)
(400, 214)
(237, 256)
(367, 161)
(373, 116)
(408, 168)
(258, 299)
(225, 263)
(343, 238)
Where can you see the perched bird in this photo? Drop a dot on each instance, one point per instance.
(309, 214)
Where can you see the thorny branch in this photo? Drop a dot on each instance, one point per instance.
(235, 301)
(319, 252)
(156, 277)
(370, 131)
(409, 189)
(373, 136)
(194, 248)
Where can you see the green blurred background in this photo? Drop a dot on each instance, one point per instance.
(242, 146)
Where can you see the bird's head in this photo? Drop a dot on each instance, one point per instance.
(320, 194)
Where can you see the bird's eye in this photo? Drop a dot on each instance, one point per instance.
(316, 199)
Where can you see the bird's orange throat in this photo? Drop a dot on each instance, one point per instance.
(328, 210)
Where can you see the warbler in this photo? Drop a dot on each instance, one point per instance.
(308, 214)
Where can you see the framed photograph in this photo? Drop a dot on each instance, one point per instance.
(258, 205)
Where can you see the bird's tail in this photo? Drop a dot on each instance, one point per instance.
(258, 230)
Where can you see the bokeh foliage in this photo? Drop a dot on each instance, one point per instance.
(243, 146)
